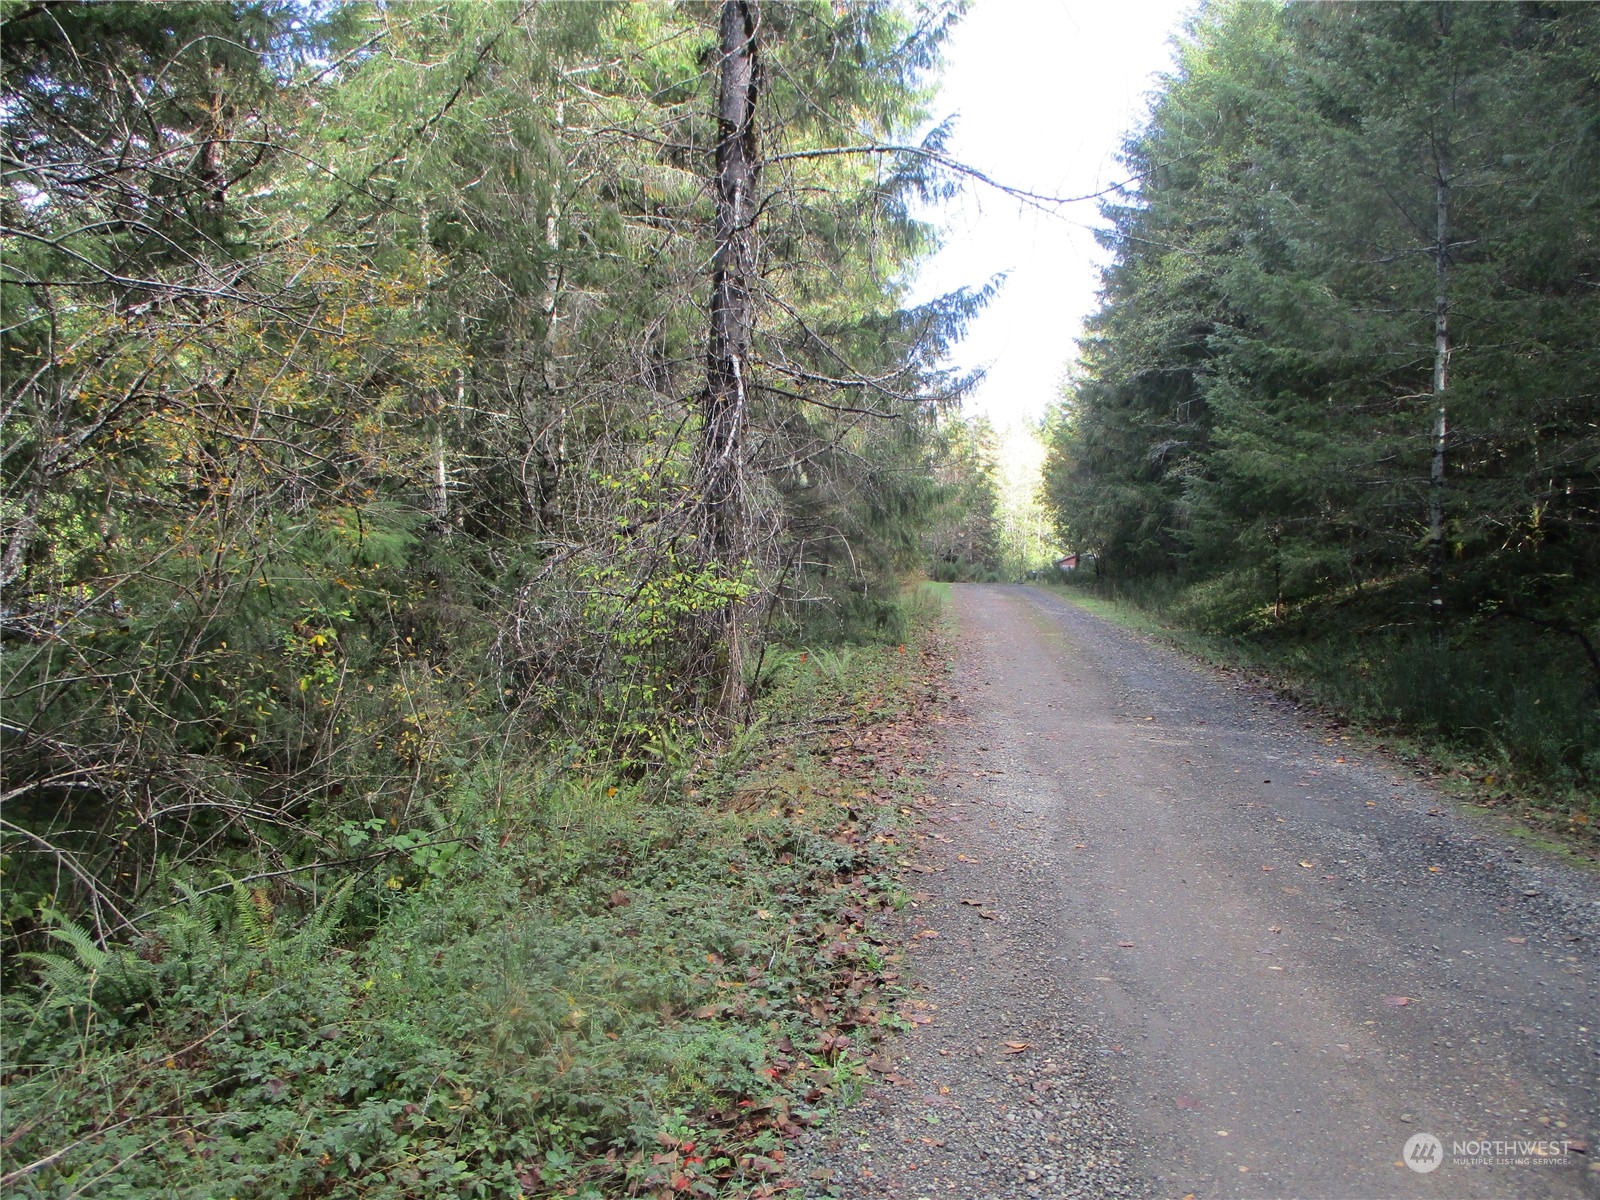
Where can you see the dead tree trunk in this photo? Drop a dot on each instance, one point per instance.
(723, 527)
(1441, 372)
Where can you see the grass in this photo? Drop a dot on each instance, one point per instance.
(611, 988)
(1501, 713)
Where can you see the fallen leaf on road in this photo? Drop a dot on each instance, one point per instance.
(1271, 968)
(928, 933)
(975, 903)
(1017, 1047)
(1397, 1001)
(1274, 928)
(1307, 864)
(1269, 868)
(1222, 1133)
(1080, 846)
(987, 915)
(1522, 941)
(1126, 945)
(1189, 1102)
(1435, 870)
(1293, 891)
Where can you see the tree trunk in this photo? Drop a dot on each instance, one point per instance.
(722, 501)
(210, 167)
(1441, 370)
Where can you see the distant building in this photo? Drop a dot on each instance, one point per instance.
(1071, 562)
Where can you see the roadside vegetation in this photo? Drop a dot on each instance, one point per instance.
(1497, 740)
(1337, 410)
(573, 983)
(461, 463)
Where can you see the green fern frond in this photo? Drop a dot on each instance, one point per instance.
(63, 982)
(253, 917)
(319, 931)
(81, 940)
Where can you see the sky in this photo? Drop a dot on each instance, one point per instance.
(1044, 92)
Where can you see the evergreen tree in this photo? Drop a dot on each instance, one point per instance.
(357, 408)
(1346, 220)
(1336, 385)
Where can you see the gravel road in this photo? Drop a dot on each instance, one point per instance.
(1175, 938)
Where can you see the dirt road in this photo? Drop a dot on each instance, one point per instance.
(1176, 938)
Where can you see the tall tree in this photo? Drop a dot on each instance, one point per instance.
(1333, 238)
(723, 461)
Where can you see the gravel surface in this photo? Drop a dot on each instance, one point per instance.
(1175, 938)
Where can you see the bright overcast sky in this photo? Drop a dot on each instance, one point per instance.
(1044, 91)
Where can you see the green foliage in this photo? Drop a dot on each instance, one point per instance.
(352, 424)
(1508, 701)
(1251, 419)
(351, 447)
(963, 535)
(599, 971)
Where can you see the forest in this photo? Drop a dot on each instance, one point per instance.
(1340, 405)
(477, 498)
(445, 443)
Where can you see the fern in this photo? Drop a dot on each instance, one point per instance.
(81, 940)
(63, 982)
(73, 980)
(192, 930)
(312, 941)
(741, 745)
(253, 915)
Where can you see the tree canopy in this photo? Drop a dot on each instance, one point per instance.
(1350, 328)
(355, 360)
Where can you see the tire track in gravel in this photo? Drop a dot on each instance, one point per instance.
(1190, 910)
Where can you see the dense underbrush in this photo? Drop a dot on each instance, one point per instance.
(576, 984)
(1510, 706)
